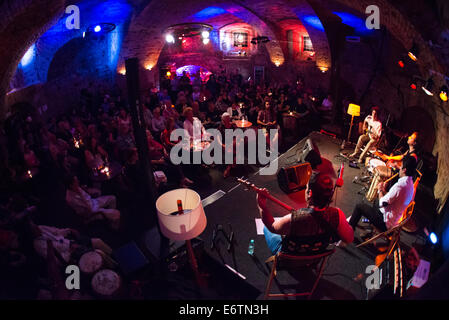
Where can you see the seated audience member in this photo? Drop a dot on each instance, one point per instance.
(196, 111)
(158, 122)
(147, 116)
(212, 116)
(301, 108)
(125, 139)
(124, 118)
(253, 112)
(234, 111)
(300, 231)
(226, 123)
(91, 208)
(386, 213)
(165, 136)
(161, 161)
(196, 94)
(223, 102)
(266, 118)
(63, 130)
(169, 111)
(95, 155)
(326, 105)
(69, 243)
(192, 125)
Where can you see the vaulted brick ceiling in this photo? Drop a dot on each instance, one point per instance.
(23, 21)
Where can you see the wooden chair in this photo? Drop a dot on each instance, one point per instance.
(283, 261)
(393, 235)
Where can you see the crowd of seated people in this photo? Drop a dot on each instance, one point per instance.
(66, 163)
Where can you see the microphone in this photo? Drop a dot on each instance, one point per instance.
(340, 181)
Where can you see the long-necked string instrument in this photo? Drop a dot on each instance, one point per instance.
(266, 194)
(388, 180)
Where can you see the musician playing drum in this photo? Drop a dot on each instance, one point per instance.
(387, 213)
(318, 223)
(373, 128)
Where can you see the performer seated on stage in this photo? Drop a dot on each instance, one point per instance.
(412, 149)
(387, 213)
(373, 128)
(318, 223)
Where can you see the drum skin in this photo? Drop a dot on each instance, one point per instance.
(90, 262)
(106, 283)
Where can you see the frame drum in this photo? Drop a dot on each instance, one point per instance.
(106, 283)
(374, 163)
(91, 262)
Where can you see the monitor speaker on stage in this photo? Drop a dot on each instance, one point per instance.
(294, 178)
(310, 154)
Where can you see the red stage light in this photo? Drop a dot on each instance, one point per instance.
(413, 86)
(401, 64)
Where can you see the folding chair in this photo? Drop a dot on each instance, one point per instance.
(393, 235)
(283, 261)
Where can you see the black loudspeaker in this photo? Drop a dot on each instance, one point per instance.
(310, 154)
(294, 178)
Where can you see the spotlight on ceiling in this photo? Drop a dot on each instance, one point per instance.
(206, 41)
(99, 29)
(205, 34)
(428, 87)
(414, 52)
(169, 38)
(187, 30)
(433, 238)
(444, 93)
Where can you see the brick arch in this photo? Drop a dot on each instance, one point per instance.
(145, 39)
(400, 27)
(277, 11)
(23, 22)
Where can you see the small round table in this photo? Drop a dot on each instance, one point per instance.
(243, 124)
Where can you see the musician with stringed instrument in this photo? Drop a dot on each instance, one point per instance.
(373, 130)
(386, 213)
(395, 161)
(308, 230)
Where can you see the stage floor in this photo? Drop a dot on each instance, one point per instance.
(344, 276)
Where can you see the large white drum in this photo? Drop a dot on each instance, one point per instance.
(374, 163)
(91, 262)
(106, 283)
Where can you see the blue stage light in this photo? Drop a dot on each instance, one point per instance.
(28, 56)
(314, 22)
(209, 13)
(433, 238)
(97, 28)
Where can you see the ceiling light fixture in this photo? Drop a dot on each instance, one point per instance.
(414, 52)
(187, 30)
(428, 87)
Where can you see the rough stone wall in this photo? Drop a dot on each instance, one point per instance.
(22, 22)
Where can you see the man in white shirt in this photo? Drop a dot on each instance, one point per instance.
(192, 125)
(387, 213)
(373, 128)
(90, 208)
